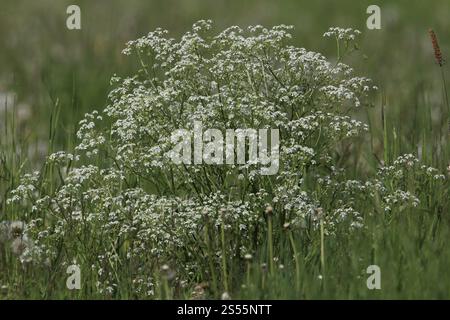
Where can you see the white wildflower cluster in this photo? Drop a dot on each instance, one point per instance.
(406, 182)
(236, 79)
(91, 139)
(348, 91)
(123, 200)
(27, 189)
(346, 42)
(61, 158)
(402, 186)
(408, 166)
(347, 34)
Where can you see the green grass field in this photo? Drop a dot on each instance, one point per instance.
(141, 228)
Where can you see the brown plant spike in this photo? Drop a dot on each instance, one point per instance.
(437, 50)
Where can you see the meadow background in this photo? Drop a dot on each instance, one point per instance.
(44, 67)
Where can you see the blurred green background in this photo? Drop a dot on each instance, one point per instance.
(43, 63)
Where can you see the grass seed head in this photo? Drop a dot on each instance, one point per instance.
(437, 50)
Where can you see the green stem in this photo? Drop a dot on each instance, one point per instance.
(166, 288)
(270, 242)
(445, 89)
(297, 266)
(224, 258)
(385, 132)
(338, 49)
(210, 259)
(322, 247)
(248, 275)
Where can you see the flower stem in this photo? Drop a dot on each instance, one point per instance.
(210, 259)
(270, 242)
(224, 259)
(297, 266)
(322, 248)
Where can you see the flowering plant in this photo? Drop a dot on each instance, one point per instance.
(122, 204)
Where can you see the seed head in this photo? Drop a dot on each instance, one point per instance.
(319, 213)
(4, 290)
(226, 296)
(436, 48)
(199, 291)
(167, 273)
(19, 245)
(165, 268)
(269, 210)
(16, 229)
(264, 267)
